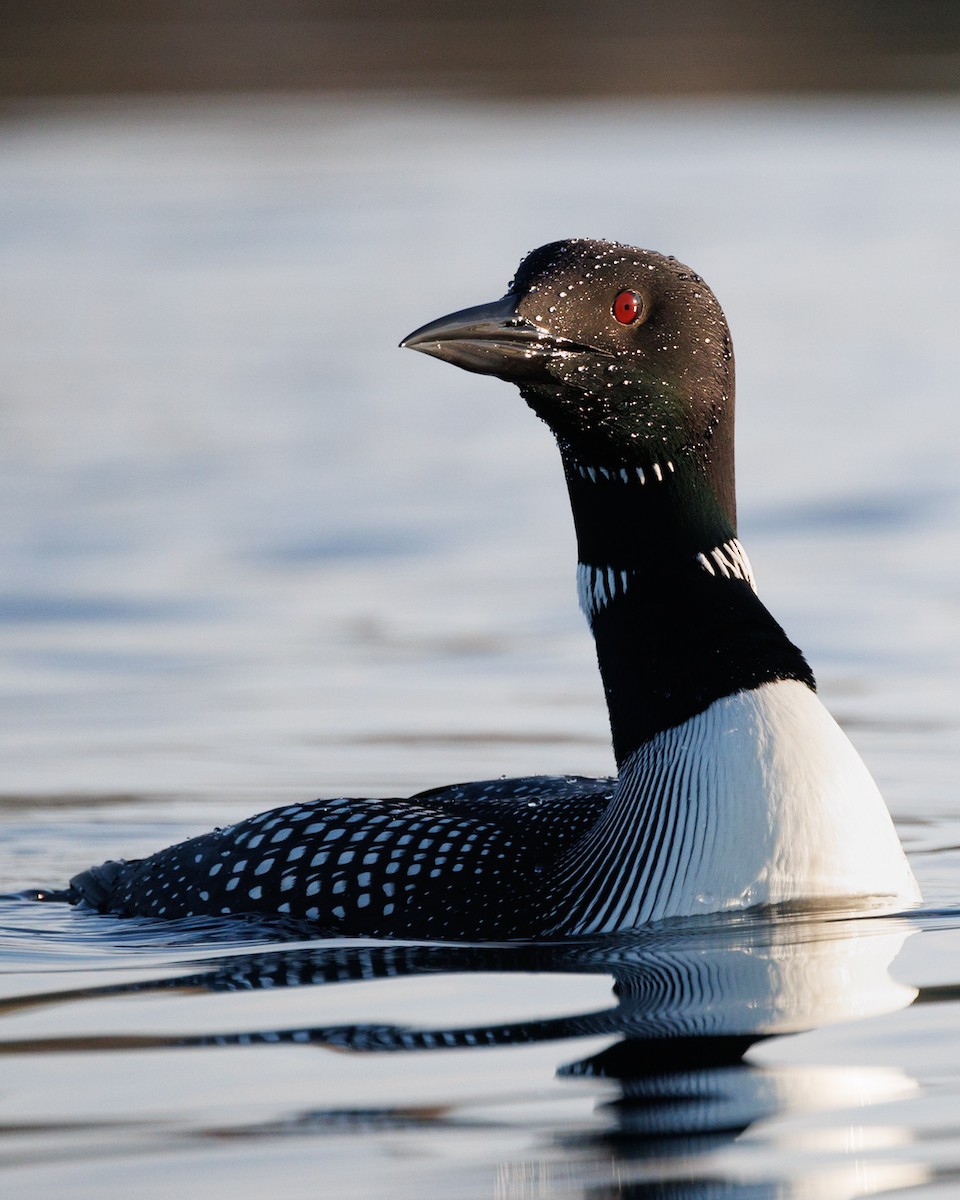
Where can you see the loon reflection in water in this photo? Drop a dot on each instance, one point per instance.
(689, 1003)
(735, 788)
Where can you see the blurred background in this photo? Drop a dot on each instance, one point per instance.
(247, 546)
(568, 48)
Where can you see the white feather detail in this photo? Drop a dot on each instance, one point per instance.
(760, 799)
(729, 560)
(597, 586)
(623, 474)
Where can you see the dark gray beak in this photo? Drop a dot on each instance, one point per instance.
(490, 339)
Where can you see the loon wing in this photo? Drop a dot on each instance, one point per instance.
(368, 867)
(520, 798)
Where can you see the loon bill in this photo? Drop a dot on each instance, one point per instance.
(735, 787)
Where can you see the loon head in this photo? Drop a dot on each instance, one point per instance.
(624, 353)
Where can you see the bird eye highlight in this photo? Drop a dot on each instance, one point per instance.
(627, 307)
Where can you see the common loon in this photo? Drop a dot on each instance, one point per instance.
(735, 787)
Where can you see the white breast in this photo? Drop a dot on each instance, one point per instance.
(759, 799)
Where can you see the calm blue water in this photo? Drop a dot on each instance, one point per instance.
(250, 552)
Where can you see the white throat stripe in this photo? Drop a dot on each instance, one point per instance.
(625, 474)
(729, 560)
(597, 586)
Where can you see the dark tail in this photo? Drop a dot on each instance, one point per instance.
(96, 885)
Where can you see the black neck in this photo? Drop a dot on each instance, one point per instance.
(676, 627)
(648, 513)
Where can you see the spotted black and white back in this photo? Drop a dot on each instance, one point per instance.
(372, 867)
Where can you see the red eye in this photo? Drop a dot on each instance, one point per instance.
(627, 307)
